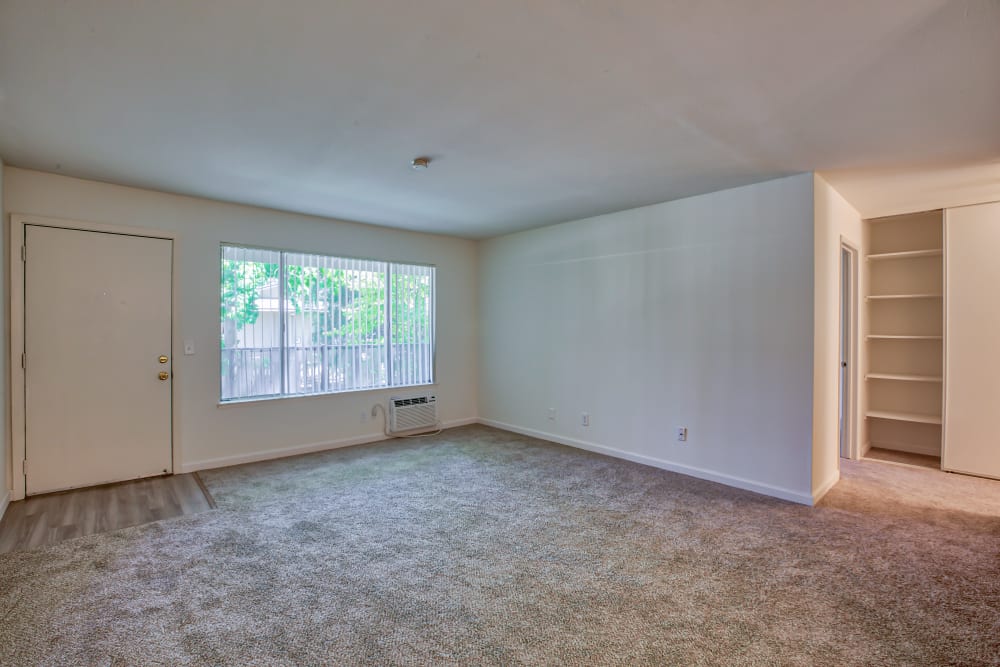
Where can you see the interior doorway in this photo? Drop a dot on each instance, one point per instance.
(97, 330)
(848, 350)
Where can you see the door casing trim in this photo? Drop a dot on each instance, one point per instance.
(854, 370)
(16, 435)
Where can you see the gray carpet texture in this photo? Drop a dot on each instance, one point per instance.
(482, 547)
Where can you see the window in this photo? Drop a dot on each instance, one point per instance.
(296, 324)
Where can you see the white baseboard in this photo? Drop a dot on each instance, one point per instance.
(268, 454)
(454, 423)
(700, 473)
(825, 486)
(4, 502)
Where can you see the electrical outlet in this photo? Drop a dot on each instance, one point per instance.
(682, 434)
(552, 414)
(585, 419)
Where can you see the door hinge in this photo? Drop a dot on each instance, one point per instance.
(24, 467)
(24, 361)
(24, 253)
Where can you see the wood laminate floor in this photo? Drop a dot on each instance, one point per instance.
(50, 518)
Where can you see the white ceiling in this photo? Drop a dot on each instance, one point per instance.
(535, 111)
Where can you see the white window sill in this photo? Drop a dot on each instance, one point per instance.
(268, 399)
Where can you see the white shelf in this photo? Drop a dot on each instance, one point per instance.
(901, 337)
(903, 377)
(906, 276)
(936, 252)
(904, 417)
(883, 297)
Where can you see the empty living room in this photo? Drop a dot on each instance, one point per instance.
(553, 332)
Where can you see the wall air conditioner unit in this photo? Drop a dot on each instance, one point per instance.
(412, 413)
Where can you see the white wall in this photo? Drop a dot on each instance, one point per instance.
(696, 313)
(972, 366)
(835, 219)
(210, 435)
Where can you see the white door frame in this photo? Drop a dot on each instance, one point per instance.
(18, 222)
(945, 226)
(853, 368)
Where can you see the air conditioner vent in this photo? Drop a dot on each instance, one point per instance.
(412, 413)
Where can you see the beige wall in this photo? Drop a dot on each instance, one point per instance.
(210, 435)
(876, 193)
(696, 313)
(972, 356)
(835, 220)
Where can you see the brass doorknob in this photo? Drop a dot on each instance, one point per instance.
(163, 359)
(164, 375)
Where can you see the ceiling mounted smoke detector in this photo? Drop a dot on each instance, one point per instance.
(420, 163)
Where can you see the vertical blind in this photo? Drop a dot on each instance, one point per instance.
(412, 298)
(301, 323)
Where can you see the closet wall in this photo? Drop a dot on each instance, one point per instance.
(904, 286)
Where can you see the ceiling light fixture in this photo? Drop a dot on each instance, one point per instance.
(420, 163)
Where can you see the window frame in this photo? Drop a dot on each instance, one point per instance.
(387, 314)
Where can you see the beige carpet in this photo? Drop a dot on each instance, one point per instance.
(482, 547)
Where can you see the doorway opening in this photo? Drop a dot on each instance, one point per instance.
(904, 291)
(848, 351)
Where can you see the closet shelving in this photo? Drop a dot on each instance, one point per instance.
(879, 297)
(906, 254)
(886, 337)
(905, 417)
(904, 378)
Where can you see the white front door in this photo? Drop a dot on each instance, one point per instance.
(97, 333)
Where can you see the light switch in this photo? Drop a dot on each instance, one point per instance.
(188, 346)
